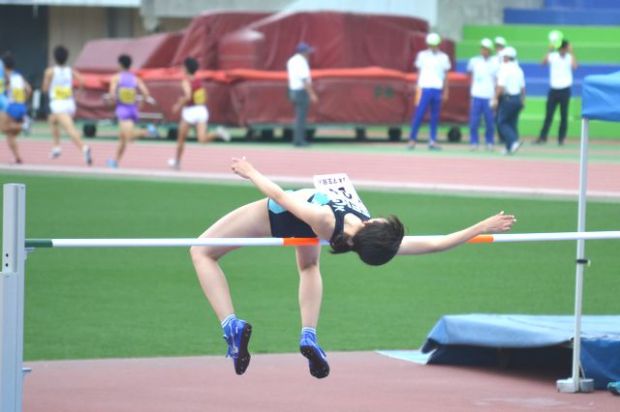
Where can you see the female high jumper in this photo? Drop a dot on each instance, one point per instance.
(308, 213)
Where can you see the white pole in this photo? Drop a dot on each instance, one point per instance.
(575, 384)
(269, 241)
(546, 237)
(97, 243)
(12, 298)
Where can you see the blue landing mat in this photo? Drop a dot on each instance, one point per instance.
(522, 341)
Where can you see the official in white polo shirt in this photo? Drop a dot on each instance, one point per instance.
(483, 71)
(432, 65)
(300, 89)
(510, 95)
(561, 63)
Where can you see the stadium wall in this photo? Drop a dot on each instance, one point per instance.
(457, 13)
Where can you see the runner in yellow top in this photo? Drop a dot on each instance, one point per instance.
(194, 112)
(58, 83)
(18, 93)
(124, 88)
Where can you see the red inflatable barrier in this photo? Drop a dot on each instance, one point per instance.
(249, 97)
(362, 68)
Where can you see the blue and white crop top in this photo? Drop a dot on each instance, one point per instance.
(285, 224)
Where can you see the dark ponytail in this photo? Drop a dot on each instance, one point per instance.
(341, 243)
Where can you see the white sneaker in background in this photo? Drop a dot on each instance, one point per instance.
(514, 148)
(26, 125)
(223, 133)
(87, 155)
(174, 164)
(56, 152)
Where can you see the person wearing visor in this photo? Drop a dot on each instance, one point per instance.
(300, 90)
(510, 93)
(500, 44)
(561, 61)
(483, 71)
(432, 89)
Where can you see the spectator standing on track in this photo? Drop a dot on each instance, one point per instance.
(510, 93)
(561, 63)
(18, 93)
(432, 65)
(483, 72)
(194, 112)
(300, 90)
(58, 83)
(124, 87)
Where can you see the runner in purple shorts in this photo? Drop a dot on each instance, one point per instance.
(124, 88)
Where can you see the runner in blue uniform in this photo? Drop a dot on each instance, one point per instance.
(18, 93)
(308, 213)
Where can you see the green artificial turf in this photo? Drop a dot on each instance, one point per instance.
(93, 303)
(592, 44)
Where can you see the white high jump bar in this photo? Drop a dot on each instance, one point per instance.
(275, 241)
(14, 251)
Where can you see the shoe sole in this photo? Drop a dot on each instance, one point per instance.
(243, 359)
(319, 368)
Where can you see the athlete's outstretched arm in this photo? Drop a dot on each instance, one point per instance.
(47, 79)
(185, 97)
(311, 214)
(495, 224)
(112, 89)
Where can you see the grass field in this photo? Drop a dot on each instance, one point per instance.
(139, 302)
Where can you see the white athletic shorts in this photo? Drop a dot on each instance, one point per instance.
(65, 106)
(195, 114)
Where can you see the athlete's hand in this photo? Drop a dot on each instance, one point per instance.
(498, 223)
(242, 167)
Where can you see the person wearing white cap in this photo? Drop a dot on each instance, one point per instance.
(561, 65)
(300, 90)
(500, 44)
(483, 71)
(510, 94)
(432, 65)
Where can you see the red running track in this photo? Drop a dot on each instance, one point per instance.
(414, 170)
(359, 381)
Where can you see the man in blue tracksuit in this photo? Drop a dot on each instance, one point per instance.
(510, 94)
(432, 65)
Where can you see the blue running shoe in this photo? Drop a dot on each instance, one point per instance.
(237, 336)
(112, 164)
(317, 359)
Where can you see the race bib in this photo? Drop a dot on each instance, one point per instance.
(62, 92)
(199, 96)
(18, 95)
(127, 95)
(338, 187)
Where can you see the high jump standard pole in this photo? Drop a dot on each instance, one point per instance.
(12, 298)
